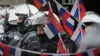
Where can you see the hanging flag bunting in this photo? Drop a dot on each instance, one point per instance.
(6, 50)
(17, 51)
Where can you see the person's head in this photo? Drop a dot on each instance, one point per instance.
(38, 21)
(91, 17)
(41, 33)
(92, 22)
(21, 22)
(40, 29)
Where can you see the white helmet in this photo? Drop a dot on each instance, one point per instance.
(21, 9)
(40, 18)
(91, 17)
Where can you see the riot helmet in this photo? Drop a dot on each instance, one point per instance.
(90, 18)
(21, 22)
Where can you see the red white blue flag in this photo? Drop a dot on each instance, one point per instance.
(53, 27)
(69, 22)
(78, 10)
(40, 3)
(61, 47)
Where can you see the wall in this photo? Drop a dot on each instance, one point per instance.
(12, 2)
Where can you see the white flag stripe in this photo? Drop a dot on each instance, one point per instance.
(48, 32)
(1, 53)
(90, 52)
(74, 8)
(18, 52)
(71, 21)
(76, 33)
(44, 2)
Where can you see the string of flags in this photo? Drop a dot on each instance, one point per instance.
(6, 50)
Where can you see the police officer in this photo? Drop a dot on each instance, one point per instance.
(10, 32)
(50, 45)
(29, 39)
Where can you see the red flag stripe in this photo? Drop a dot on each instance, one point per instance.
(79, 54)
(37, 3)
(52, 18)
(6, 50)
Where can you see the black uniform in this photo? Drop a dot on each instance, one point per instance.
(50, 46)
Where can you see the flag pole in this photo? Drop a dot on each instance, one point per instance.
(67, 51)
(80, 19)
(58, 33)
(70, 13)
(50, 6)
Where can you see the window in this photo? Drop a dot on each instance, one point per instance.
(67, 2)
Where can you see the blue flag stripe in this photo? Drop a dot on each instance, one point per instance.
(69, 25)
(76, 15)
(1, 49)
(12, 51)
(80, 2)
(85, 54)
(79, 37)
(41, 1)
(62, 11)
(52, 28)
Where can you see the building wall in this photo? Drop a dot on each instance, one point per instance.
(12, 2)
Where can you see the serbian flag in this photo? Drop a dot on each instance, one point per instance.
(53, 26)
(40, 3)
(61, 47)
(80, 34)
(6, 50)
(78, 10)
(69, 22)
(77, 35)
(78, 39)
